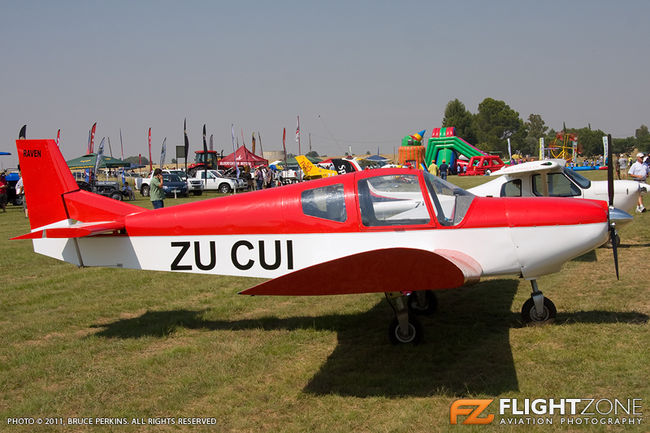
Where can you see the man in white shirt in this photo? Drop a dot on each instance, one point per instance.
(639, 172)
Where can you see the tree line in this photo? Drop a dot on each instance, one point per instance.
(495, 122)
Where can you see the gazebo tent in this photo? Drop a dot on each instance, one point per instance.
(376, 158)
(88, 161)
(242, 157)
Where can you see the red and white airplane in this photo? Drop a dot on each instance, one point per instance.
(402, 232)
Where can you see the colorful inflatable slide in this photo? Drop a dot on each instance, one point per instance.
(444, 145)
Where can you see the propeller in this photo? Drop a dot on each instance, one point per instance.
(23, 133)
(610, 193)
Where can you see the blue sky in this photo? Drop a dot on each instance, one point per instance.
(359, 73)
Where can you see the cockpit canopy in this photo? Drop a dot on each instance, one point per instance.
(392, 200)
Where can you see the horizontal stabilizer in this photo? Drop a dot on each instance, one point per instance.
(384, 270)
(78, 230)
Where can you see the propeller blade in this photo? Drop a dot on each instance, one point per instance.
(613, 240)
(610, 171)
(23, 133)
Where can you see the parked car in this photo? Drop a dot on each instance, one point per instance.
(195, 186)
(217, 181)
(106, 188)
(12, 179)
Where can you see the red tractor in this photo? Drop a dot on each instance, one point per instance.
(201, 161)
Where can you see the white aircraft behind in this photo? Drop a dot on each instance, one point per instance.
(551, 178)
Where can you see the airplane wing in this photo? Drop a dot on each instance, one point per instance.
(530, 167)
(383, 270)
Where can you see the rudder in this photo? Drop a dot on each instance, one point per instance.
(46, 177)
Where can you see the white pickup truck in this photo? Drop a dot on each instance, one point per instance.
(216, 181)
(193, 185)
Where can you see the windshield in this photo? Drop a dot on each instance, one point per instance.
(577, 178)
(449, 201)
(179, 173)
(392, 200)
(171, 178)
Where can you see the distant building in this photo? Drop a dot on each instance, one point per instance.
(274, 155)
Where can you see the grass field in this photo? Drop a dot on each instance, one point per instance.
(109, 343)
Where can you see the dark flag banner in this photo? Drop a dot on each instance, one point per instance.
(150, 161)
(187, 142)
(163, 152)
(205, 155)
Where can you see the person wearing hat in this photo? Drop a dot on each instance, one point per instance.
(433, 168)
(444, 169)
(639, 172)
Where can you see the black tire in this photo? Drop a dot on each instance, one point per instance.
(116, 196)
(144, 191)
(197, 192)
(224, 188)
(609, 241)
(428, 308)
(415, 332)
(529, 313)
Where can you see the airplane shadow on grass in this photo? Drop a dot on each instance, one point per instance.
(465, 350)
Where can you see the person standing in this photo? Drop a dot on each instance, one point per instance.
(444, 168)
(4, 186)
(623, 162)
(433, 168)
(156, 193)
(639, 172)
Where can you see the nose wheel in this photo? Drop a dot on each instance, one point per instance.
(537, 309)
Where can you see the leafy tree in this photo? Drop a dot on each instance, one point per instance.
(312, 154)
(494, 123)
(642, 136)
(137, 160)
(589, 140)
(624, 145)
(535, 129)
(457, 115)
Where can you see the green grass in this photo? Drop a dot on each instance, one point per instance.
(122, 343)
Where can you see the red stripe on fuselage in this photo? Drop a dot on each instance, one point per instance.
(279, 211)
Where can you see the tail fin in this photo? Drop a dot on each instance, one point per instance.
(312, 171)
(53, 195)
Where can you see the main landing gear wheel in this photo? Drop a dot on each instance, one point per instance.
(412, 335)
(537, 309)
(423, 302)
(404, 328)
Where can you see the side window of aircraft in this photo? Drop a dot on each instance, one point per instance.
(558, 186)
(511, 188)
(392, 200)
(327, 202)
(450, 202)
